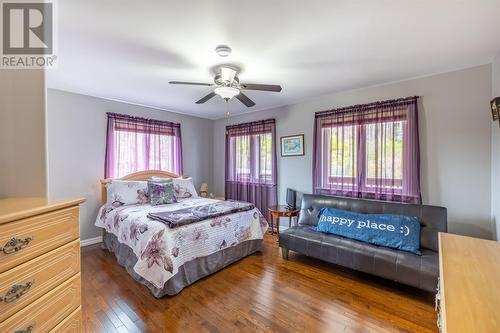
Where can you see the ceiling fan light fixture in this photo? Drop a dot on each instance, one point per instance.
(226, 92)
(223, 50)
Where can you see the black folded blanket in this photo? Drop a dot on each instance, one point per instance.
(190, 215)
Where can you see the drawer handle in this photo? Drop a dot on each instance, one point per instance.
(16, 291)
(27, 329)
(15, 245)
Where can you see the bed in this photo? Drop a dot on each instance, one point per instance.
(166, 259)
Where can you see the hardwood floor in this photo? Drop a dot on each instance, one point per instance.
(259, 293)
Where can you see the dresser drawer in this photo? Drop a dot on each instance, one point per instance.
(72, 323)
(48, 311)
(37, 277)
(36, 235)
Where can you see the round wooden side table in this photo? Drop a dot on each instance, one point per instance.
(282, 211)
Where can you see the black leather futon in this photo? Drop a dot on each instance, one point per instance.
(404, 267)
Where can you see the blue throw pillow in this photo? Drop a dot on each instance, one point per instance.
(394, 231)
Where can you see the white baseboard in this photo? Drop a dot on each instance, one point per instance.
(90, 241)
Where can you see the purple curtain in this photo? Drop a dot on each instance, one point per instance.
(136, 144)
(369, 151)
(251, 170)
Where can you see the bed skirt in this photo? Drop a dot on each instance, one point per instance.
(188, 273)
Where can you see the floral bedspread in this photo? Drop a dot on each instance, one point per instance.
(161, 250)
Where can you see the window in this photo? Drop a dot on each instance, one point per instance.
(341, 144)
(266, 155)
(252, 157)
(137, 144)
(368, 151)
(384, 154)
(240, 150)
(383, 145)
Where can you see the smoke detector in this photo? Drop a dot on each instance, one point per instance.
(223, 50)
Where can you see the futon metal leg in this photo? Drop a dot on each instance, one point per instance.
(284, 253)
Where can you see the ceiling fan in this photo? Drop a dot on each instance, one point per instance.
(227, 85)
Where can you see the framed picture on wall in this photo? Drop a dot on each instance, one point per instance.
(292, 145)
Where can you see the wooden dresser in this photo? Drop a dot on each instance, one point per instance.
(469, 297)
(39, 266)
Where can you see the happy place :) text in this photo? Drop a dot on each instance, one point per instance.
(363, 224)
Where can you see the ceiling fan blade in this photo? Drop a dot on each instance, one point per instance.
(263, 87)
(227, 74)
(206, 98)
(245, 100)
(192, 83)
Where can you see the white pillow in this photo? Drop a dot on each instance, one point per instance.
(127, 192)
(183, 187)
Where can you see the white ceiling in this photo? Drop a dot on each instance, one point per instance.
(128, 50)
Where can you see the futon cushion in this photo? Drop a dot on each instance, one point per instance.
(161, 192)
(394, 231)
(405, 267)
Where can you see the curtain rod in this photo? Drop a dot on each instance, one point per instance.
(372, 105)
(127, 117)
(256, 122)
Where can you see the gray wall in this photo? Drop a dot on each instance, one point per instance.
(22, 133)
(76, 127)
(455, 132)
(495, 153)
(456, 144)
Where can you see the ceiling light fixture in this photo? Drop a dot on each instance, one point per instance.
(226, 92)
(223, 50)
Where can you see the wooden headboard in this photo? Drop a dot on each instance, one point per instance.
(141, 175)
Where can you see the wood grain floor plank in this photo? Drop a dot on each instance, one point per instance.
(260, 293)
(107, 323)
